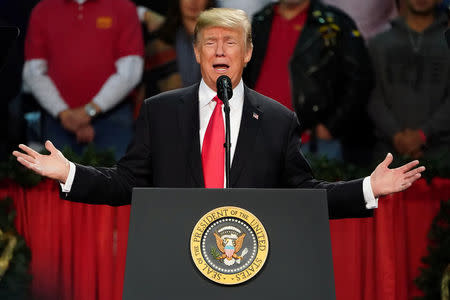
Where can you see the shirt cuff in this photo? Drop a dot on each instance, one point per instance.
(369, 198)
(66, 187)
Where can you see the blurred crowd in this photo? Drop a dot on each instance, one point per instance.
(364, 78)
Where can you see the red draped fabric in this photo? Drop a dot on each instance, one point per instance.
(79, 251)
(378, 258)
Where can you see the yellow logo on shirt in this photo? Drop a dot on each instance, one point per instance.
(356, 33)
(104, 22)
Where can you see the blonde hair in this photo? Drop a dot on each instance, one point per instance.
(227, 18)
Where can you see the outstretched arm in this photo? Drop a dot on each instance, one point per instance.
(111, 186)
(54, 165)
(386, 181)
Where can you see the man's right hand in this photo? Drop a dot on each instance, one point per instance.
(323, 133)
(408, 142)
(85, 134)
(399, 142)
(73, 119)
(54, 165)
(414, 143)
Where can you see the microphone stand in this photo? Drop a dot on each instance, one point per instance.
(225, 92)
(227, 145)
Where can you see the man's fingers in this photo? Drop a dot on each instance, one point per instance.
(410, 180)
(415, 171)
(29, 151)
(24, 156)
(405, 185)
(29, 165)
(408, 166)
(413, 178)
(50, 147)
(388, 160)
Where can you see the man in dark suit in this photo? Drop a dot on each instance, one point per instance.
(173, 145)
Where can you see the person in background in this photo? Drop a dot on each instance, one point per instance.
(152, 14)
(12, 125)
(371, 16)
(312, 58)
(82, 59)
(170, 60)
(410, 105)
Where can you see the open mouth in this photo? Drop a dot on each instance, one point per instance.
(221, 67)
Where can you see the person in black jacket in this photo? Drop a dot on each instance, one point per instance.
(329, 73)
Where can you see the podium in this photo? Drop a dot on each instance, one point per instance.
(160, 264)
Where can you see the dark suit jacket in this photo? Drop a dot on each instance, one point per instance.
(165, 152)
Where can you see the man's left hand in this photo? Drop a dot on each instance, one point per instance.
(81, 117)
(386, 181)
(414, 143)
(85, 134)
(323, 133)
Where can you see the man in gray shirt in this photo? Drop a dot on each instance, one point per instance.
(410, 105)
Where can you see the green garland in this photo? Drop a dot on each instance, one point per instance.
(434, 280)
(14, 257)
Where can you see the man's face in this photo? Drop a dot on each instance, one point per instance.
(422, 7)
(221, 51)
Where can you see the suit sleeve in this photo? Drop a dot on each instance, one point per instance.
(113, 186)
(345, 199)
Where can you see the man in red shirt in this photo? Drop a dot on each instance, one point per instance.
(311, 58)
(83, 57)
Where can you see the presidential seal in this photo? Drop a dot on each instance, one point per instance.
(229, 245)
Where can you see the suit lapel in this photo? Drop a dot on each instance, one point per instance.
(188, 116)
(250, 122)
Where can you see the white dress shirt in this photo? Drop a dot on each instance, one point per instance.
(206, 107)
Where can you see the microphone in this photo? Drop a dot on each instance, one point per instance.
(225, 92)
(224, 89)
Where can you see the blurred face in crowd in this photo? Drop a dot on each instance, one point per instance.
(191, 9)
(422, 7)
(222, 51)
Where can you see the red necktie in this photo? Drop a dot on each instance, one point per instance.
(213, 151)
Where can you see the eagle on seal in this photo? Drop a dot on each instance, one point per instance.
(229, 247)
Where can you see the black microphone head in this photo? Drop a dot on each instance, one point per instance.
(224, 88)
